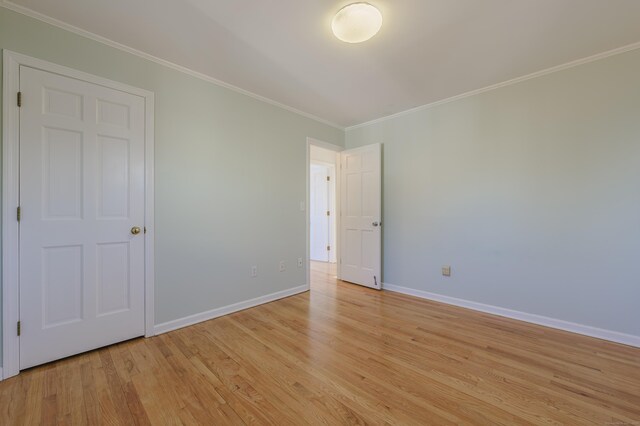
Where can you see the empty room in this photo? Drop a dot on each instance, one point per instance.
(320, 212)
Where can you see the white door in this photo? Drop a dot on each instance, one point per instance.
(81, 199)
(319, 213)
(361, 214)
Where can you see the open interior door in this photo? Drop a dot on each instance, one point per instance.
(361, 215)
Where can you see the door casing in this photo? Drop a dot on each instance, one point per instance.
(10, 197)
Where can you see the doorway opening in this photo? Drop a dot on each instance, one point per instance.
(323, 208)
(354, 201)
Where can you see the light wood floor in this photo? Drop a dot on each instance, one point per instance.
(340, 354)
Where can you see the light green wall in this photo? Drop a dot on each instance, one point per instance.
(531, 193)
(230, 174)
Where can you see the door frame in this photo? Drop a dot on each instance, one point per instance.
(11, 187)
(336, 149)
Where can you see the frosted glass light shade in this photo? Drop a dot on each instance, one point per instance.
(356, 22)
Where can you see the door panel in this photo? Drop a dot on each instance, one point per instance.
(361, 204)
(62, 174)
(113, 281)
(62, 285)
(113, 177)
(81, 191)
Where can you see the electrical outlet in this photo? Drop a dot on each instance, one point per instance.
(299, 262)
(282, 266)
(446, 271)
(254, 271)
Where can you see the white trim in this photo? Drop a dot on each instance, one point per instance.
(325, 145)
(226, 310)
(100, 39)
(10, 284)
(10, 190)
(330, 147)
(40, 64)
(149, 216)
(536, 74)
(586, 330)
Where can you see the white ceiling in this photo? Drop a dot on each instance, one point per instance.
(427, 50)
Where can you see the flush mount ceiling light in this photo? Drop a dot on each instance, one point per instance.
(356, 22)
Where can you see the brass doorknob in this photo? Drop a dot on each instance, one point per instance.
(135, 230)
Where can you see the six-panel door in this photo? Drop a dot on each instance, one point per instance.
(361, 212)
(81, 193)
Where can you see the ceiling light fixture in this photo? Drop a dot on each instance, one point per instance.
(356, 22)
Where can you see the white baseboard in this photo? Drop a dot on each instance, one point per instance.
(613, 336)
(226, 310)
(1, 375)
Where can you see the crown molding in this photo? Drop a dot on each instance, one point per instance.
(516, 80)
(100, 39)
(103, 40)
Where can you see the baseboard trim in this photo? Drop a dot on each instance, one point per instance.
(1, 375)
(226, 310)
(586, 330)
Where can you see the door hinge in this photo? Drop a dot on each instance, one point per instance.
(145, 229)
(328, 213)
(375, 280)
(19, 327)
(328, 178)
(18, 213)
(19, 99)
(328, 248)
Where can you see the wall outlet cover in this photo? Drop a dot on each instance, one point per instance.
(446, 271)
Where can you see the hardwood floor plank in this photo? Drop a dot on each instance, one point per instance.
(49, 411)
(90, 396)
(107, 408)
(339, 354)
